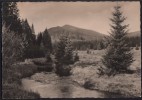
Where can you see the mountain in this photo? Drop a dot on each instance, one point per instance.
(75, 33)
(80, 34)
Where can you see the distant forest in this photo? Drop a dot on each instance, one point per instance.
(101, 44)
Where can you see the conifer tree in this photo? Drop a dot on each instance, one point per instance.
(32, 28)
(29, 39)
(68, 57)
(64, 56)
(39, 39)
(33, 34)
(10, 17)
(118, 56)
(46, 40)
(60, 51)
(27, 30)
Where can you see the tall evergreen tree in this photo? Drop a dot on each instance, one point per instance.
(64, 52)
(39, 39)
(46, 40)
(10, 17)
(29, 39)
(33, 34)
(60, 52)
(28, 32)
(68, 57)
(32, 28)
(118, 56)
(64, 56)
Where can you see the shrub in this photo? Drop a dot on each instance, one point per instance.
(63, 70)
(25, 70)
(43, 65)
(11, 81)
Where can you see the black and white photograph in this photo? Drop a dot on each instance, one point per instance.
(71, 49)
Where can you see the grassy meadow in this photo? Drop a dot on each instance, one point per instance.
(85, 73)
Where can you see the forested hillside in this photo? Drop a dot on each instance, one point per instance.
(75, 33)
(84, 39)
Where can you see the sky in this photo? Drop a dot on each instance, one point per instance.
(87, 15)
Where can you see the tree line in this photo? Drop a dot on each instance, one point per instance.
(21, 28)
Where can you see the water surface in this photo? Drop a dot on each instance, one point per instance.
(63, 87)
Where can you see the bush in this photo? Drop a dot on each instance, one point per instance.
(43, 65)
(25, 70)
(11, 81)
(63, 70)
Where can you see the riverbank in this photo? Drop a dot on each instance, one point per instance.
(126, 84)
(49, 85)
(11, 81)
(84, 72)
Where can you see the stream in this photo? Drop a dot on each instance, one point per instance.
(62, 87)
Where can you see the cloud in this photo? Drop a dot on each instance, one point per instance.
(89, 15)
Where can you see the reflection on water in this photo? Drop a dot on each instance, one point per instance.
(63, 88)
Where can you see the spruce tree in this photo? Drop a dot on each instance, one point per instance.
(64, 52)
(60, 51)
(68, 57)
(39, 39)
(32, 28)
(28, 32)
(33, 34)
(29, 39)
(46, 40)
(10, 17)
(118, 56)
(64, 56)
